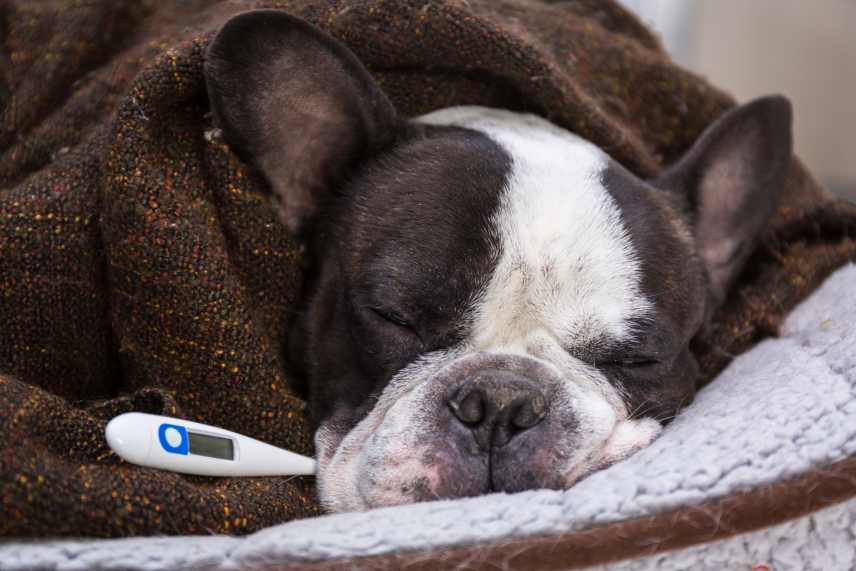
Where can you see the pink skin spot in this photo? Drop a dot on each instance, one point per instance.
(404, 477)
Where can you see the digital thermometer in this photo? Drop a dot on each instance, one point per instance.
(192, 448)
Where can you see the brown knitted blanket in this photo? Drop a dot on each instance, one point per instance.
(141, 267)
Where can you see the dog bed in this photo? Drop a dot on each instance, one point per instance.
(768, 446)
(143, 267)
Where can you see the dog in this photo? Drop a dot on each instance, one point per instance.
(493, 304)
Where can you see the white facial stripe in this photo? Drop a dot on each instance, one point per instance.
(567, 264)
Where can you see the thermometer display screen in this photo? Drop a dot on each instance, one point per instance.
(211, 446)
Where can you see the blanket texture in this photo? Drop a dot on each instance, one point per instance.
(143, 268)
(731, 463)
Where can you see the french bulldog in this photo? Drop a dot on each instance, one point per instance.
(493, 304)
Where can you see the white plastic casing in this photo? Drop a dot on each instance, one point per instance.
(163, 442)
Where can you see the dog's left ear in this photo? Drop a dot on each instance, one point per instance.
(731, 178)
(296, 104)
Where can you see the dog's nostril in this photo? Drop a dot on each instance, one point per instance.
(468, 406)
(529, 413)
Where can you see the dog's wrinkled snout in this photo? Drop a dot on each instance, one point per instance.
(496, 405)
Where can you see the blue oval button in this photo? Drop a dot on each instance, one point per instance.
(173, 438)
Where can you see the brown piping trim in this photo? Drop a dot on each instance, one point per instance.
(714, 520)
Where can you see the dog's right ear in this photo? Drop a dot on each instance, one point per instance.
(296, 104)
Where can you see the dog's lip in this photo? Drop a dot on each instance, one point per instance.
(605, 460)
(594, 460)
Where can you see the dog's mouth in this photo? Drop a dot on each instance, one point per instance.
(505, 434)
(626, 438)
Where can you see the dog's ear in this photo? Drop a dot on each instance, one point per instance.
(731, 178)
(296, 104)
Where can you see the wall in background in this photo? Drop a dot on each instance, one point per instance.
(803, 49)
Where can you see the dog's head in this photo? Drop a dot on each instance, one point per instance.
(494, 303)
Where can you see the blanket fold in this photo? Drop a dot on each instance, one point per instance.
(143, 268)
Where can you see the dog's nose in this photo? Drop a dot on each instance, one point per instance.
(496, 405)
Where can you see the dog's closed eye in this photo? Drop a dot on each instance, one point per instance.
(391, 316)
(628, 357)
(633, 362)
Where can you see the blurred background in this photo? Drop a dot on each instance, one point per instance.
(805, 49)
